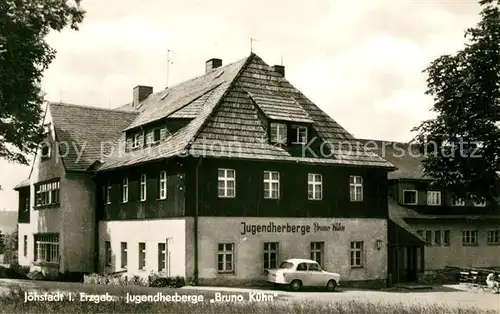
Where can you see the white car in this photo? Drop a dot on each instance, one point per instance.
(298, 273)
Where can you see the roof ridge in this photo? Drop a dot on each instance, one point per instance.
(92, 107)
(385, 141)
(200, 76)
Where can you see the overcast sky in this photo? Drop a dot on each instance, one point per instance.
(361, 61)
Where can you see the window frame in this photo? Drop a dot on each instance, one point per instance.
(313, 185)
(268, 251)
(25, 245)
(154, 140)
(278, 139)
(479, 204)
(107, 193)
(123, 255)
(352, 254)
(416, 197)
(493, 237)
(136, 140)
(225, 179)
(315, 248)
(162, 190)
(446, 237)
(162, 257)
(225, 253)
(268, 182)
(142, 255)
(297, 139)
(48, 193)
(470, 234)
(107, 253)
(438, 238)
(46, 248)
(438, 200)
(125, 190)
(143, 187)
(353, 186)
(458, 202)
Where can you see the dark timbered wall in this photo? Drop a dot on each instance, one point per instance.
(153, 207)
(293, 202)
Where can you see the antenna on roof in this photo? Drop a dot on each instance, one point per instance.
(168, 64)
(109, 104)
(282, 59)
(251, 44)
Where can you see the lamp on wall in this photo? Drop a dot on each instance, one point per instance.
(378, 245)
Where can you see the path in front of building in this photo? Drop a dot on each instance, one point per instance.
(451, 296)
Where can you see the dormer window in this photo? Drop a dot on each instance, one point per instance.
(46, 151)
(136, 141)
(156, 135)
(299, 134)
(278, 133)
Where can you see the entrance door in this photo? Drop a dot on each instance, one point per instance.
(411, 263)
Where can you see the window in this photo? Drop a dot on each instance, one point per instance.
(492, 237)
(356, 254)
(302, 267)
(107, 193)
(437, 237)
(226, 182)
(163, 185)
(410, 197)
(107, 253)
(46, 151)
(47, 248)
(125, 190)
(143, 188)
(137, 140)
(225, 258)
(156, 135)
(123, 255)
(447, 238)
(356, 188)
(271, 184)
(142, 255)
(270, 255)
(278, 133)
(434, 198)
(27, 204)
(47, 194)
(428, 237)
(162, 256)
(480, 203)
(299, 134)
(317, 252)
(314, 186)
(469, 237)
(313, 267)
(420, 233)
(458, 202)
(25, 245)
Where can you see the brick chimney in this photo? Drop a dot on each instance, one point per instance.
(140, 93)
(280, 69)
(212, 64)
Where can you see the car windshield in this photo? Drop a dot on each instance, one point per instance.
(286, 265)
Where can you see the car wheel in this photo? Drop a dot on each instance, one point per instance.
(331, 285)
(296, 285)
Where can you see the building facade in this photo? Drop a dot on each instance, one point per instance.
(457, 232)
(216, 179)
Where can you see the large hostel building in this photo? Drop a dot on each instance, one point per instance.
(216, 179)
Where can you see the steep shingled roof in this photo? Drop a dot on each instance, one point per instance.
(84, 129)
(230, 115)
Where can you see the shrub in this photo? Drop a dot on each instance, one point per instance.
(11, 273)
(158, 281)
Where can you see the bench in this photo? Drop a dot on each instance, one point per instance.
(474, 279)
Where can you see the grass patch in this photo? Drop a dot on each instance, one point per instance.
(13, 302)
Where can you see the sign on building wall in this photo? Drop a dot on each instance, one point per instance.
(303, 229)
